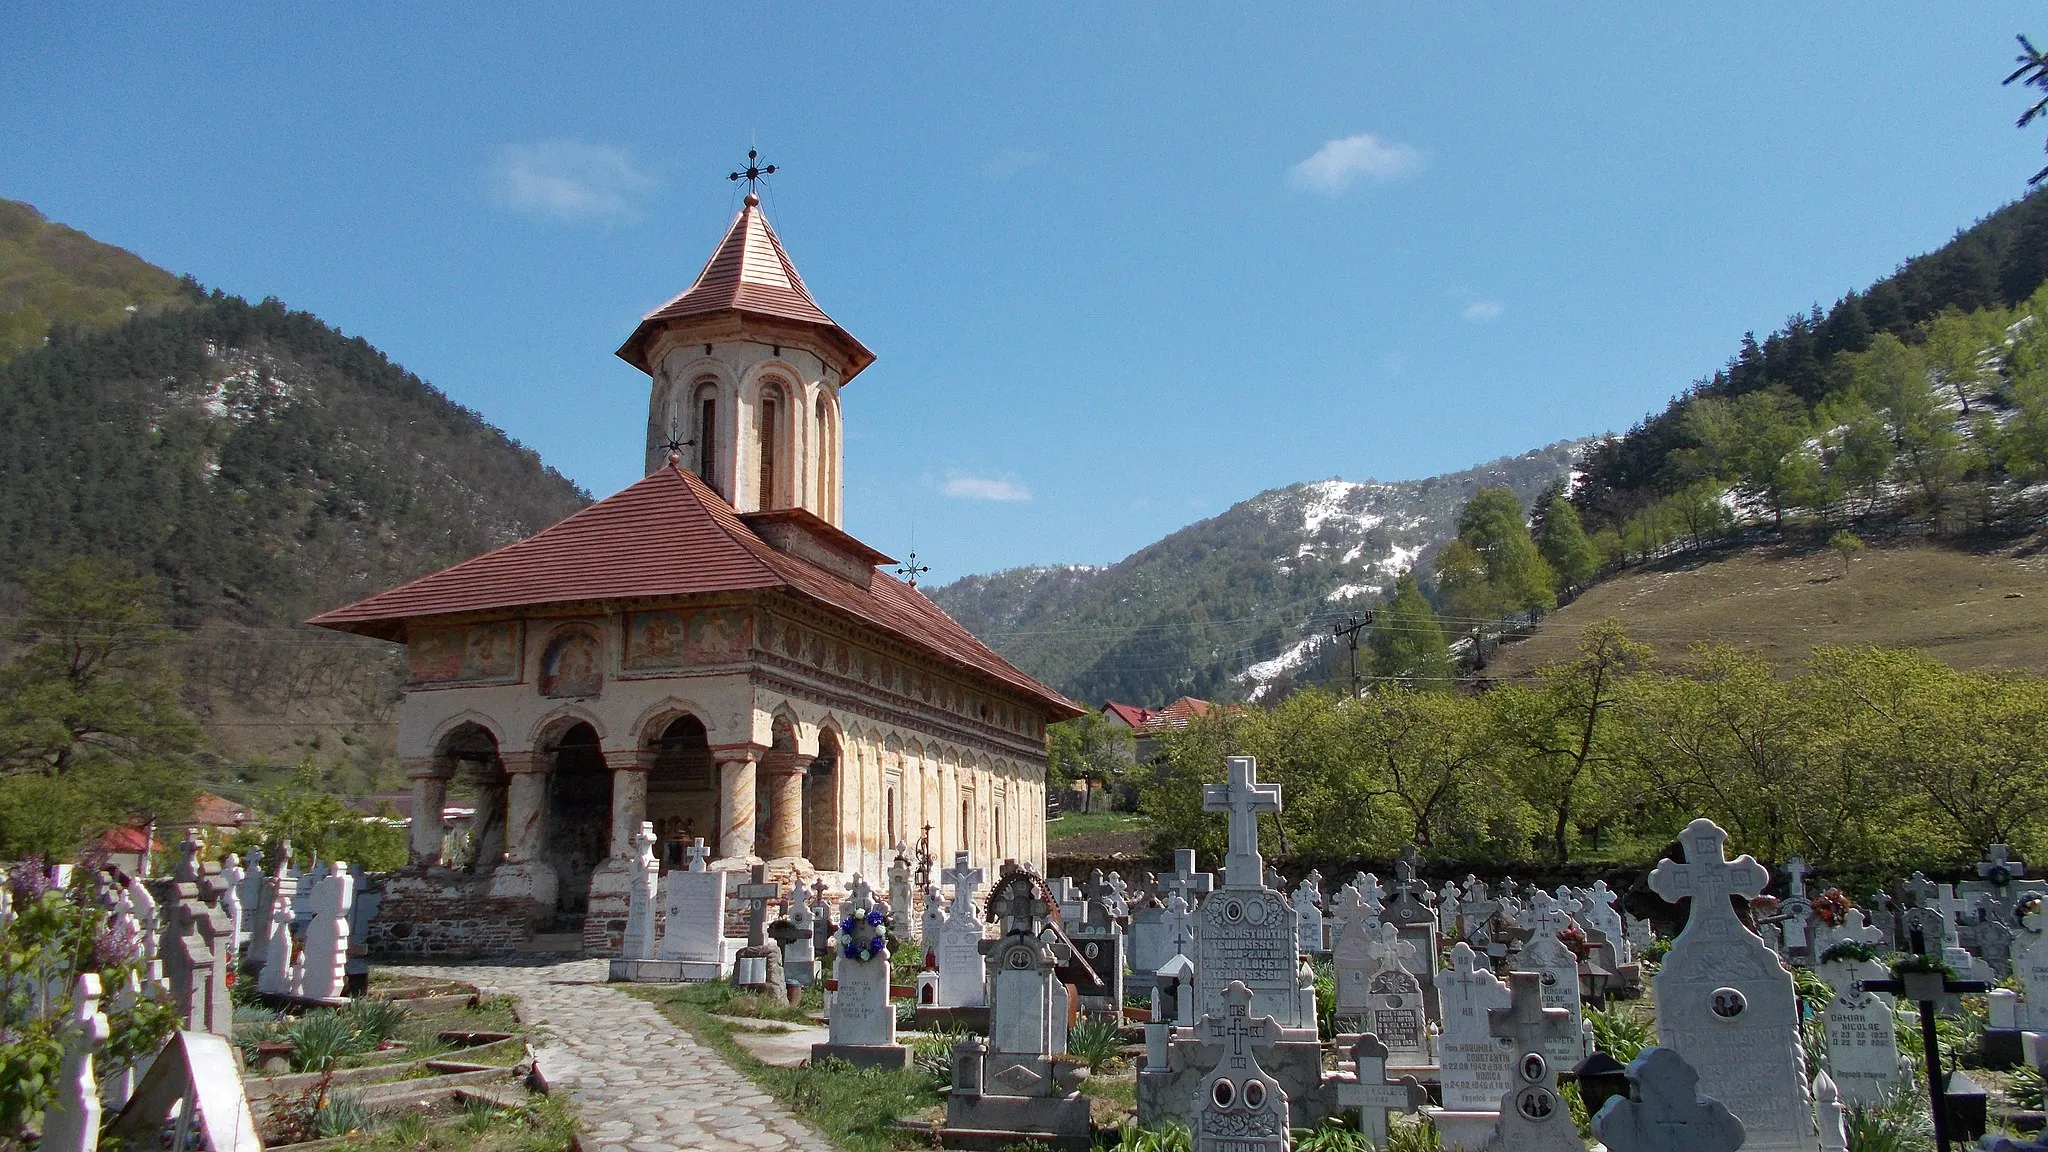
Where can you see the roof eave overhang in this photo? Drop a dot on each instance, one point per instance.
(851, 352)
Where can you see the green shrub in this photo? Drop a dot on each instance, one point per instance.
(1094, 1042)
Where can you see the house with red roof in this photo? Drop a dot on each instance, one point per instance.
(1146, 725)
(707, 651)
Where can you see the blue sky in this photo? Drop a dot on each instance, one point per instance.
(1123, 265)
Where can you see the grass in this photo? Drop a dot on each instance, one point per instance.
(542, 1124)
(856, 1108)
(1098, 833)
(1971, 609)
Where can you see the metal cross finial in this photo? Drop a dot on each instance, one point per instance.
(673, 449)
(753, 172)
(910, 570)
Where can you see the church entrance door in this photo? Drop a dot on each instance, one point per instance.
(579, 819)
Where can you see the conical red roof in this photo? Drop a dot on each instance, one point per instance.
(749, 274)
(670, 535)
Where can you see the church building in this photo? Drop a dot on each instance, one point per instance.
(707, 649)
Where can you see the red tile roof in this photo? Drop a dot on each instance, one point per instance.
(210, 811)
(748, 274)
(669, 535)
(1175, 715)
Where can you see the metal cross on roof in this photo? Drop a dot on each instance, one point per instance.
(910, 570)
(673, 449)
(753, 172)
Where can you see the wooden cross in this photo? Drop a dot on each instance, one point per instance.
(1927, 988)
(700, 856)
(1708, 878)
(1244, 798)
(1372, 1094)
(757, 892)
(1237, 1031)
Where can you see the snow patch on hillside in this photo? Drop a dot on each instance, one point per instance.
(1262, 674)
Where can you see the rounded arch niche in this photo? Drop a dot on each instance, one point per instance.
(682, 789)
(822, 789)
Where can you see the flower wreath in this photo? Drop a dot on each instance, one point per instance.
(877, 941)
(1832, 906)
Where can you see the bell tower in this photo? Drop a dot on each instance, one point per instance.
(746, 372)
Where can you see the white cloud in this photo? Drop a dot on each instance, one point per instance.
(570, 180)
(961, 486)
(1339, 163)
(1008, 162)
(1481, 311)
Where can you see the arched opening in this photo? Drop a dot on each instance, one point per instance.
(707, 435)
(768, 427)
(572, 665)
(476, 781)
(821, 805)
(579, 820)
(782, 746)
(966, 840)
(682, 790)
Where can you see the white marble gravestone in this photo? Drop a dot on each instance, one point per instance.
(276, 977)
(1548, 957)
(232, 877)
(1725, 1002)
(324, 961)
(1476, 1064)
(71, 1120)
(1668, 1113)
(862, 1018)
(1533, 1116)
(1393, 1001)
(1308, 915)
(1602, 914)
(961, 964)
(2030, 968)
(643, 890)
(1245, 932)
(1863, 1046)
(1240, 1106)
(693, 920)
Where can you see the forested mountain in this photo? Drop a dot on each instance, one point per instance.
(53, 275)
(1997, 263)
(1240, 605)
(260, 464)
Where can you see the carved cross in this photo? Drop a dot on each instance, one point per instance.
(186, 871)
(1372, 1094)
(1668, 1112)
(1244, 798)
(757, 892)
(1237, 1031)
(1526, 1022)
(965, 882)
(1920, 889)
(700, 856)
(1389, 950)
(1796, 873)
(1999, 868)
(1185, 881)
(1708, 878)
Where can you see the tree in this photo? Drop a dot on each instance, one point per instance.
(1407, 643)
(2032, 73)
(317, 824)
(92, 728)
(1088, 749)
(1493, 525)
(1760, 440)
(1565, 547)
(1559, 732)
(1894, 375)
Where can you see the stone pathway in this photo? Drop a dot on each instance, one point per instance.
(642, 1084)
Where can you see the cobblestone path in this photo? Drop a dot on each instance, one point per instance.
(641, 1083)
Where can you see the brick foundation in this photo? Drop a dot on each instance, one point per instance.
(436, 915)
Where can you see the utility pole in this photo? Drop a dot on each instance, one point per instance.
(1348, 631)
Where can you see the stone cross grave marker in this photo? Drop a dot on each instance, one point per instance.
(1669, 1114)
(1885, 918)
(324, 961)
(1447, 899)
(1477, 1065)
(644, 883)
(862, 1021)
(1240, 1108)
(1393, 1000)
(1548, 957)
(1244, 798)
(821, 918)
(71, 1120)
(693, 917)
(275, 978)
(1028, 1006)
(799, 959)
(1190, 884)
(251, 898)
(759, 964)
(232, 876)
(1795, 914)
(1600, 910)
(1372, 1095)
(1245, 932)
(1863, 1044)
(1348, 906)
(1533, 1117)
(1179, 925)
(1308, 913)
(899, 893)
(191, 969)
(1725, 1002)
(2030, 966)
(962, 975)
(1150, 939)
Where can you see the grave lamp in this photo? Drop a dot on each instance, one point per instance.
(1600, 1078)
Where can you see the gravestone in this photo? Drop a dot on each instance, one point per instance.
(961, 963)
(799, 955)
(1601, 913)
(1547, 956)
(862, 1021)
(362, 912)
(254, 907)
(1476, 1066)
(1372, 1095)
(1533, 1117)
(1885, 918)
(1240, 1106)
(693, 942)
(1725, 1003)
(194, 974)
(232, 878)
(1308, 915)
(1245, 932)
(323, 965)
(1863, 1045)
(1831, 1114)
(899, 893)
(643, 886)
(758, 965)
(1668, 1114)
(275, 978)
(1150, 940)
(1096, 969)
(1795, 916)
(71, 1120)
(1188, 883)
(1010, 1089)
(2030, 968)
(1393, 1001)
(1351, 917)
(1447, 920)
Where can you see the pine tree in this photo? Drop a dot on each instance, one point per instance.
(1407, 643)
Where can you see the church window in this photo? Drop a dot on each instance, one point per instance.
(967, 825)
(707, 435)
(771, 404)
(895, 830)
(998, 825)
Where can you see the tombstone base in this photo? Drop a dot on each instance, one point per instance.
(1466, 1131)
(892, 1057)
(664, 971)
(992, 1123)
(929, 1017)
(1296, 1063)
(2002, 1049)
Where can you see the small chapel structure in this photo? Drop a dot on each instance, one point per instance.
(707, 650)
